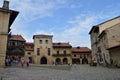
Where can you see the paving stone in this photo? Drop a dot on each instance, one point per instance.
(77, 72)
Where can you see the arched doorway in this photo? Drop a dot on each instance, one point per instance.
(76, 61)
(65, 61)
(84, 60)
(43, 60)
(58, 61)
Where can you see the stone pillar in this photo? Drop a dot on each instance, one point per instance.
(6, 19)
(4, 23)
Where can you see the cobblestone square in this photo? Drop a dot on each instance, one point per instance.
(76, 72)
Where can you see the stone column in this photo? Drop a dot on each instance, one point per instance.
(4, 23)
(6, 19)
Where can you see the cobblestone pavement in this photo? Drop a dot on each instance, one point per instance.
(77, 72)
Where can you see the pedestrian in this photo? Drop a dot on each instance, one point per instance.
(27, 62)
(6, 62)
(22, 62)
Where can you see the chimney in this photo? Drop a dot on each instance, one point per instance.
(5, 4)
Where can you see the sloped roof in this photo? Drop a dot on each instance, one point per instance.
(29, 43)
(29, 46)
(17, 38)
(116, 46)
(80, 49)
(96, 26)
(42, 36)
(61, 44)
(13, 15)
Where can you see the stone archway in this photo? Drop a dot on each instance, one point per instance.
(43, 60)
(58, 61)
(65, 61)
(84, 60)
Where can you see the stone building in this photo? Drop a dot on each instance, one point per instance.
(81, 55)
(48, 52)
(43, 48)
(115, 55)
(45, 51)
(7, 17)
(104, 36)
(113, 36)
(62, 53)
(29, 51)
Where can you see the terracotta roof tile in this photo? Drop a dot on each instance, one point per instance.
(17, 38)
(61, 45)
(80, 49)
(29, 46)
(29, 43)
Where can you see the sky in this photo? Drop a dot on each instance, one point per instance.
(67, 20)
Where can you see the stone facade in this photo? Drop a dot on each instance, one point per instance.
(6, 19)
(115, 55)
(62, 53)
(43, 48)
(81, 55)
(104, 36)
(47, 52)
(113, 36)
(29, 51)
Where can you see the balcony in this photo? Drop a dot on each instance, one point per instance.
(59, 55)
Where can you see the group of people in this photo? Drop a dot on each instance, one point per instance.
(25, 61)
(10, 61)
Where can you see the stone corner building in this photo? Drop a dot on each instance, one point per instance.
(7, 17)
(105, 41)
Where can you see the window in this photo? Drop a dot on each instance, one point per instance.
(40, 41)
(74, 55)
(31, 46)
(58, 52)
(46, 41)
(38, 51)
(49, 51)
(64, 52)
(29, 53)
(13, 43)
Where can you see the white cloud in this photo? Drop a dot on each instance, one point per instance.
(31, 10)
(78, 27)
(77, 34)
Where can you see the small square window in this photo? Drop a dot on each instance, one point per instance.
(29, 53)
(74, 55)
(58, 52)
(40, 41)
(64, 51)
(46, 41)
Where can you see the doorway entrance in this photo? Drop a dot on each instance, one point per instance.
(43, 60)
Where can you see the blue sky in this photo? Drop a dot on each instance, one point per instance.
(67, 20)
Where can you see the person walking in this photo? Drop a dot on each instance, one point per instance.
(27, 62)
(22, 62)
